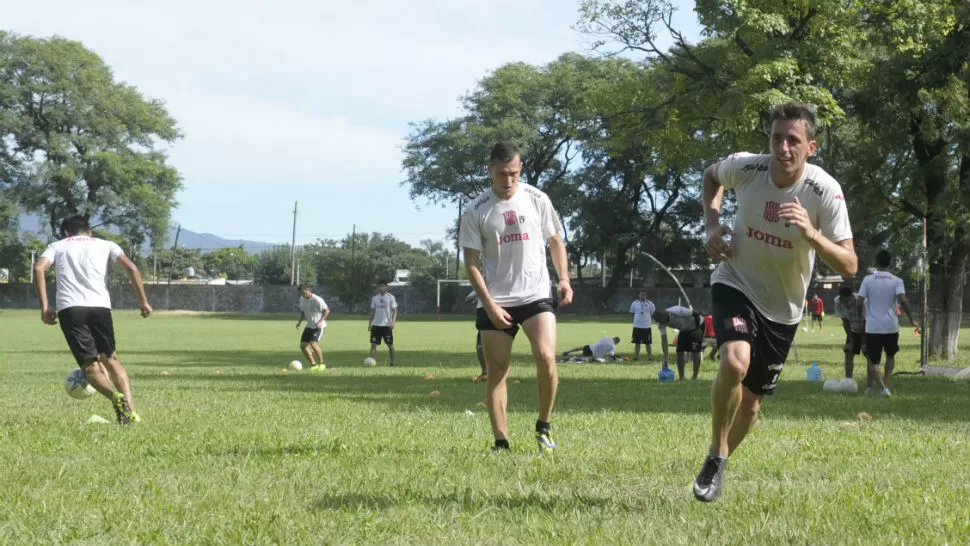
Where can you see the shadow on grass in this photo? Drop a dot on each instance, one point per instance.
(470, 502)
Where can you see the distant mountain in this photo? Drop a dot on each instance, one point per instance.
(187, 238)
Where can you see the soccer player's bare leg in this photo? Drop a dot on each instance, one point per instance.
(318, 351)
(745, 419)
(497, 346)
(888, 373)
(726, 394)
(97, 377)
(119, 376)
(305, 348)
(541, 331)
(697, 364)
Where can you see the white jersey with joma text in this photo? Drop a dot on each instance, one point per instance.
(511, 235)
(771, 263)
(81, 265)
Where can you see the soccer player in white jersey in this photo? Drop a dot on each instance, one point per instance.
(83, 307)
(383, 319)
(314, 310)
(883, 291)
(642, 310)
(508, 227)
(788, 210)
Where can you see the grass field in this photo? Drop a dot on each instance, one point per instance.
(233, 451)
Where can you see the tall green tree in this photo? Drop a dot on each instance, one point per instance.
(75, 141)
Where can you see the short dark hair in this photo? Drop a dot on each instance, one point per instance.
(845, 291)
(883, 258)
(791, 111)
(74, 225)
(503, 151)
(303, 287)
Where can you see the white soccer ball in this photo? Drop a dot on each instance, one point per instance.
(370, 362)
(832, 385)
(804, 328)
(849, 386)
(77, 385)
(296, 365)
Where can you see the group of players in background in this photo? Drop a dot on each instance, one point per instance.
(788, 211)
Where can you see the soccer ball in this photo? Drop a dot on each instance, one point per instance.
(370, 362)
(77, 386)
(296, 365)
(832, 385)
(804, 329)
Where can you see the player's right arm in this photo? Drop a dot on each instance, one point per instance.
(904, 303)
(713, 192)
(370, 321)
(47, 315)
(300, 320)
(132, 270)
(663, 342)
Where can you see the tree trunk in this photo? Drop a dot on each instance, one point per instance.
(945, 311)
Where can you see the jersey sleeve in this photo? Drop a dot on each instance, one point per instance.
(114, 251)
(833, 216)
(323, 304)
(393, 302)
(737, 169)
(50, 253)
(373, 302)
(550, 220)
(633, 307)
(470, 232)
(864, 288)
(900, 288)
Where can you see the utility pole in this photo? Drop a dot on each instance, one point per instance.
(175, 251)
(293, 246)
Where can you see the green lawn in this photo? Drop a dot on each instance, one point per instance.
(233, 451)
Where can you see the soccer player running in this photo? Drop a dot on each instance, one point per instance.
(642, 310)
(690, 336)
(788, 210)
(508, 227)
(883, 291)
(818, 311)
(851, 308)
(83, 307)
(315, 311)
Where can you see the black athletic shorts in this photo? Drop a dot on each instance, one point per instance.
(377, 333)
(89, 331)
(877, 343)
(587, 351)
(817, 317)
(311, 335)
(736, 319)
(643, 335)
(519, 313)
(689, 341)
(855, 342)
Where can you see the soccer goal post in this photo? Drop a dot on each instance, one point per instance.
(459, 282)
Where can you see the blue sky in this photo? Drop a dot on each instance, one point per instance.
(292, 100)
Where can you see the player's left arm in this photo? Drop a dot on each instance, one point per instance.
(326, 313)
(299, 321)
(904, 303)
(840, 255)
(136, 282)
(48, 316)
(394, 313)
(557, 250)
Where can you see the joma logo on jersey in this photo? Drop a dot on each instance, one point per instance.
(816, 187)
(753, 167)
(768, 238)
(511, 218)
(772, 209)
(513, 238)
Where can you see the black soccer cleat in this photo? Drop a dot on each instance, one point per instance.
(707, 485)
